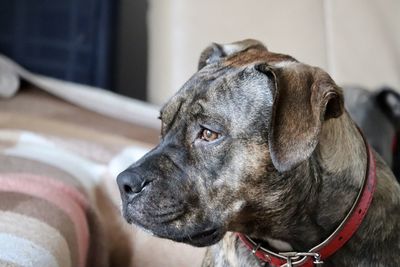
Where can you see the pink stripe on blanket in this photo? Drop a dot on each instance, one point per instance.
(65, 197)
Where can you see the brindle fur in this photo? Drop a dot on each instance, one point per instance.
(288, 164)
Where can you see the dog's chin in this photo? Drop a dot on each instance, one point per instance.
(202, 235)
(202, 238)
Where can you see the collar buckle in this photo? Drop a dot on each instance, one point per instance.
(295, 256)
(317, 257)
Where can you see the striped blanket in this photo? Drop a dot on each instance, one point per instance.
(42, 217)
(56, 183)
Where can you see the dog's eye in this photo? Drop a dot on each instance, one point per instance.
(208, 135)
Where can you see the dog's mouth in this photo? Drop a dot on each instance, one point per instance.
(202, 238)
(199, 237)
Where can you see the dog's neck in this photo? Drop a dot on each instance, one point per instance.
(330, 181)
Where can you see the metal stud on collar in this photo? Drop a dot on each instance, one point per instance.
(254, 250)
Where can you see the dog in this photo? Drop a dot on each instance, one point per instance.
(260, 162)
(378, 115)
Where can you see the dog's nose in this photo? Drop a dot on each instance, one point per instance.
(130, 184)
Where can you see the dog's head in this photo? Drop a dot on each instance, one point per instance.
(246, 118)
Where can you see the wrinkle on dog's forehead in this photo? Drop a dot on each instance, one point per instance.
(192, 87)
(244, 92)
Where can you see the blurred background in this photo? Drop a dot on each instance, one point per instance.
(146, 49)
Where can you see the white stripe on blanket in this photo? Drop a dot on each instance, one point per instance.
(39, 233)
(35, 147)
(22, 252)
(29, 137)
(125, 158)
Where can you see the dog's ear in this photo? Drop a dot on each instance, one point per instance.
(303, 101)
(389, 102)
(215, 52)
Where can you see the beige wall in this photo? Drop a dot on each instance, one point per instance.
(357, 41)
(365, 42)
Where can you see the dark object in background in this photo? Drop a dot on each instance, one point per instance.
(378, 115)
(389, 102)
(130, 63)
(66, 39)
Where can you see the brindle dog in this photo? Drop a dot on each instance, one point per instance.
(259, 143)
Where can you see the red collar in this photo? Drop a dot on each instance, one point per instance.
(336, 240)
